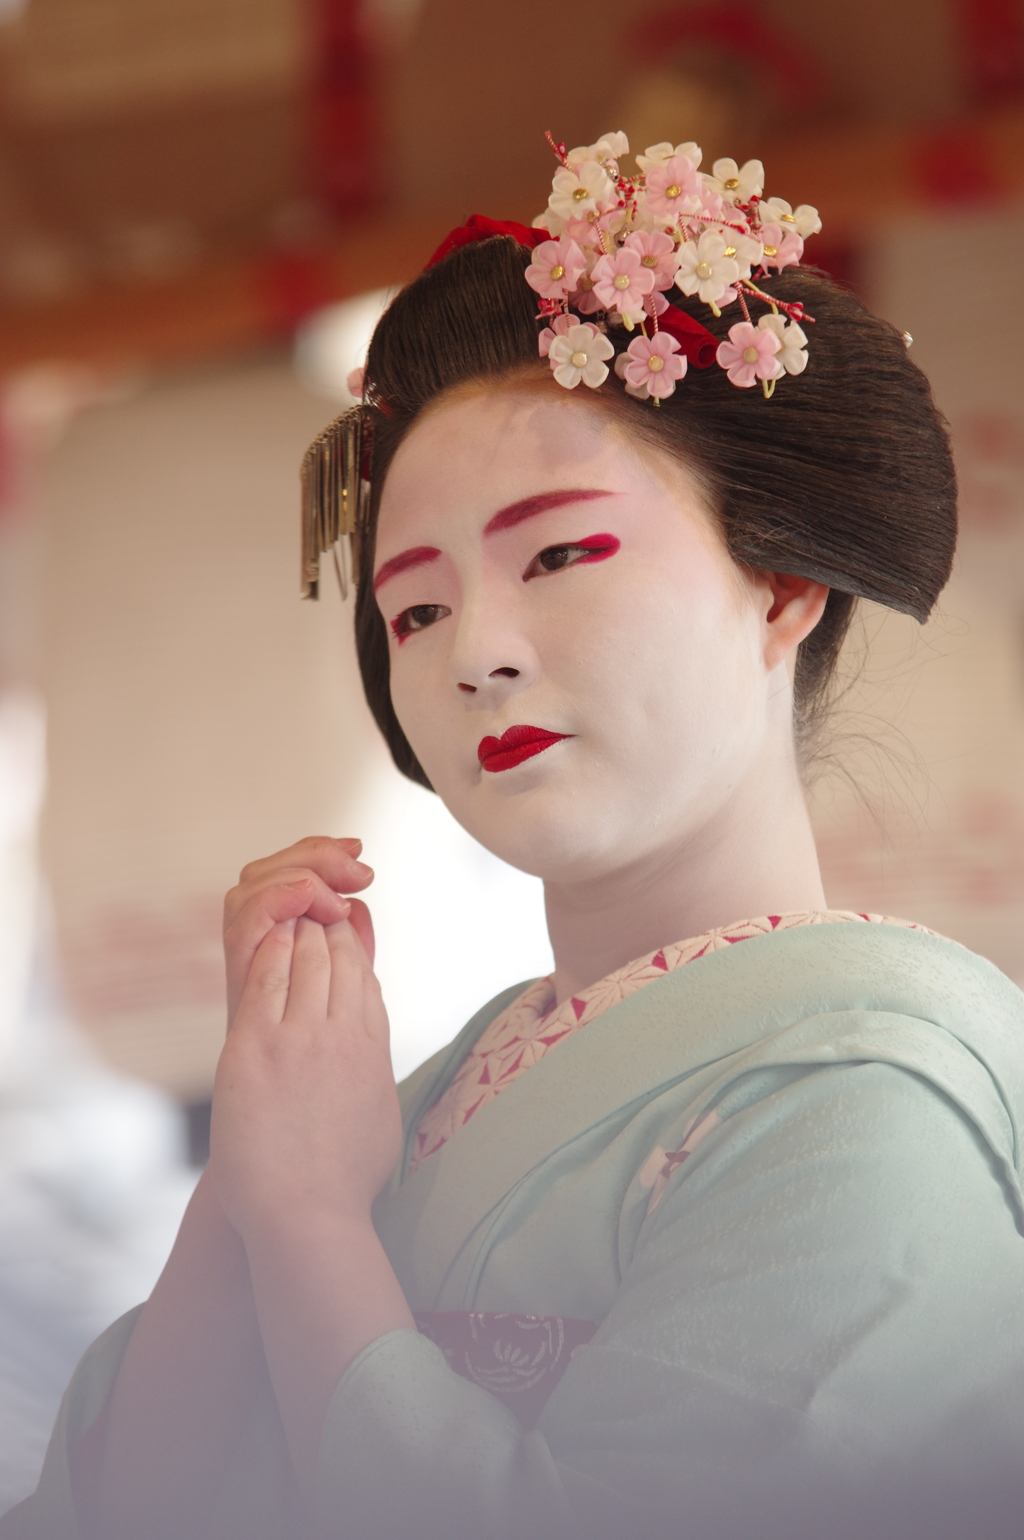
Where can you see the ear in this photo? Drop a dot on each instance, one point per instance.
(793, 607)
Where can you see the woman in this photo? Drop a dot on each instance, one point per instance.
(756, 1160)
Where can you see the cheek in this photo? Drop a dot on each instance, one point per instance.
(657, 663)
(432, 717)
(414, 695)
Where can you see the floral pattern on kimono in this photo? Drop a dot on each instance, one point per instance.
(531, 1026)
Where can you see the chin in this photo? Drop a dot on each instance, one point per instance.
(551, 832)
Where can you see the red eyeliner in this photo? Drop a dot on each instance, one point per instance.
(600, 547)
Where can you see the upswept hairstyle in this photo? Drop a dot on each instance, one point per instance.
(845, 476)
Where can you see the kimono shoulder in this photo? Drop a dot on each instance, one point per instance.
(811, 1315)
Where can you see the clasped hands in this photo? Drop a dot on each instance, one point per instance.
(305, 1111)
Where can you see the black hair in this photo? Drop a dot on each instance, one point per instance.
(845, 476)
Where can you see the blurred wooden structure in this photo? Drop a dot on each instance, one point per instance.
(187, 179)
(237, 302)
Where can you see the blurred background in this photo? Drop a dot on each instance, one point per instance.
(203, 205)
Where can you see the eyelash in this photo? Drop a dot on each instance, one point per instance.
(596, 548)
(402, 627)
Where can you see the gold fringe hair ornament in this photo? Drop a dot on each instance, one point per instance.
(335, 498)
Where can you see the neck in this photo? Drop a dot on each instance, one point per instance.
(755, 857)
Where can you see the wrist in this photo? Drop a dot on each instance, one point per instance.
(334, 1268)
(324, 1290)
(298, 1226)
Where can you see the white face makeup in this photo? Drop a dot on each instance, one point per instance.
(537, 573)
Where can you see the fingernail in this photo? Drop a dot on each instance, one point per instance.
(352, 846)
(301, 882)
(343, 901)
(363, 870)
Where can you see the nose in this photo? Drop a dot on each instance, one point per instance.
(496, 673)
(491, 655)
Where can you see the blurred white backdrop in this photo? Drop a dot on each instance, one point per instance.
(93, 1176)
(453, 923)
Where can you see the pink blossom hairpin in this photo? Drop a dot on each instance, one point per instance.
(606, 252)
(609, 247)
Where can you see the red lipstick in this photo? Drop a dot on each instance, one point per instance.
(515, 745)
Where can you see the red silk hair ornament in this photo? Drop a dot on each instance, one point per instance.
(479, 228)
(695, 341)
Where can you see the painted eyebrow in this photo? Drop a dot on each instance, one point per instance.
(529, 507)
(505, 518)
(415, 556)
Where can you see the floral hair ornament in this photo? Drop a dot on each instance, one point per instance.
(606, 252)
(612, 245)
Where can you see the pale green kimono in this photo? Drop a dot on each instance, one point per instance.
(817, 1329)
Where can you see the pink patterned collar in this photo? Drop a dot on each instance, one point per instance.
(530, 1027)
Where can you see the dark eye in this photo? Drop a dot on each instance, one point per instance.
(554, 558)
(417, 618)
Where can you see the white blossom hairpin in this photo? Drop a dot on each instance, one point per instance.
(609, 246)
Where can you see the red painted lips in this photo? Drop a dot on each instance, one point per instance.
(515, 745)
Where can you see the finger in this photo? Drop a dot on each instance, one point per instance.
(265, 995)
(275, 904)
(375, 1016)
(306, 852)
(309, 989)
(355, 990)
(362, 924)
(335, 861)
(325, 904)
(349, 964)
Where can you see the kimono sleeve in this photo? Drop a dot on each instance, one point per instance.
(820, 1325)
(255, 1500)
(49, 1514)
